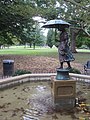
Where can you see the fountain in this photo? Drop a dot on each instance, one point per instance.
(35, 99)
(47, 100)
(63, 88)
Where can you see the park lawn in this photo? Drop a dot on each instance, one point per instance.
(81, 57)
(29, 51)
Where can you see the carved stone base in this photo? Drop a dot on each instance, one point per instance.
(64, 93)
(65, 103)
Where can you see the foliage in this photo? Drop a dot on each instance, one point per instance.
(50, 38)
(76, 13)
(16, 17)
(74, 70)
(84, 47)
(87, 42)
(21, 72)
(13, 18)
(82, 39)
(37, 36)
(79, 41)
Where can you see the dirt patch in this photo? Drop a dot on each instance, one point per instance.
(35, 64)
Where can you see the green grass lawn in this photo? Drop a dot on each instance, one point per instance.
(81, 57)
(29, 51)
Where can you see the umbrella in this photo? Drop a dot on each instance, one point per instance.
(56, 23)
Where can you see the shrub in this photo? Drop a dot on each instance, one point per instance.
(74, 70)
(84, 47)
(21, 72)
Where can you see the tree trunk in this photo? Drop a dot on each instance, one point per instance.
(30, 44)
(73, 42)
(74, 32)
(25, 45)
(34, 46)
(0, 46)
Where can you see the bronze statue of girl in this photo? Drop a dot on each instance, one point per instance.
(65, 54)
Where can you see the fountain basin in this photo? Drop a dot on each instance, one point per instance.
(34, 100)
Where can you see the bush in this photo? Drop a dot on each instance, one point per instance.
(84, 47)
(21, 72)
(74, 70)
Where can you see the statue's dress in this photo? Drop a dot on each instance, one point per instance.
(65, 54)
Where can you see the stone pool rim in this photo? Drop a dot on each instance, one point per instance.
(38, 77)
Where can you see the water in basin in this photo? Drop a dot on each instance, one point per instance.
(34, 101)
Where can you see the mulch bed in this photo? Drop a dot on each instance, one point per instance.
(35, 64)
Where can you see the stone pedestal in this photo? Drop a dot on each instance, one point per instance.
(64, 93)
(63, 90)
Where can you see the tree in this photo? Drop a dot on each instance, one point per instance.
(74, 11)
(36, 39)
(50, 38)
(78, 12)
(6, 40)
(13, 18)
(16, 15)
(82, 39)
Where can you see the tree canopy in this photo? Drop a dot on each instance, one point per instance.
(16, 16)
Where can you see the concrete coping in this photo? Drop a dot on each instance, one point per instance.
(80, 76)
(17, 78)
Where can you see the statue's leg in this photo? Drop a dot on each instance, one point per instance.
(61, 65)
(68, 63)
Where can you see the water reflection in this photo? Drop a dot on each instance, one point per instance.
(40, 103)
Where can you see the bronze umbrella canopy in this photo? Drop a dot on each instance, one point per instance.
(56, 23)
